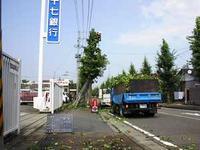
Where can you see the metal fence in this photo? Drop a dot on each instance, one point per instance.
(11, 89)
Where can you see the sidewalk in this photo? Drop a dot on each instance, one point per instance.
(89, 132)
(181, 106)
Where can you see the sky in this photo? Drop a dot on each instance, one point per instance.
(131, 30)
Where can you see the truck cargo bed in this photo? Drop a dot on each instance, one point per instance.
(146, 97)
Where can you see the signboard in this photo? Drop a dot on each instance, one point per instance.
(53, 28)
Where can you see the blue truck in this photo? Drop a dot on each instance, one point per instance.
(143, 97)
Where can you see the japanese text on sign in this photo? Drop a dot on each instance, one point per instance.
(53, 21)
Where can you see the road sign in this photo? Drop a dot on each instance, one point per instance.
(53, 28)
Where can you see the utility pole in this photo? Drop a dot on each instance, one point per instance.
(1, 87)
(78, 57)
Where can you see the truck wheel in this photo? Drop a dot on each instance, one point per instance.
(149, 114)
(121, 112)
(113, 109)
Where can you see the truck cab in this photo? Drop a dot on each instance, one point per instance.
(105, 97)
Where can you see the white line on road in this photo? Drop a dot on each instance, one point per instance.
(179, 116)
(148, 133)
(192, 114)
(151, 135)
(179, 110)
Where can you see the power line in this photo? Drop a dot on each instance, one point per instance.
(83, 24)
(77, 15)
(83, 21)
(91, 12)
(88, 17)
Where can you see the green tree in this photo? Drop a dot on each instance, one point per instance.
(194, 41)
(124, 72)
(167, 73)
(108, 83)
(102, 86)
(93, 63)
(25, 81)
(132, 70)
(95, 92)
(146, 67)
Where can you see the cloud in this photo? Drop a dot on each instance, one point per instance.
(170, 19)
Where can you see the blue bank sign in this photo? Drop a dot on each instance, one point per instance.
(53, 28)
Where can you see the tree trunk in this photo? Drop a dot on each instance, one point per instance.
(82, 92)
(168, 98)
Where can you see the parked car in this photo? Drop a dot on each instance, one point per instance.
(26, 96)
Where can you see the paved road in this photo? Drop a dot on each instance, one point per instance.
(181, 127)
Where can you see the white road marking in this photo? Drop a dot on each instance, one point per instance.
(179, 110)
(179, 116)
(151, 135)
(148, 133)
(192, 114)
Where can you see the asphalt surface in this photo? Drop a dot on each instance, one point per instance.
(89, 132)
(85, 121)
(180, 127)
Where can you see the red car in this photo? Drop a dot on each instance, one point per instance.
(26, 96)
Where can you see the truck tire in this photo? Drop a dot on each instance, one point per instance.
(113, 109)
(121, 111)
(150, 114)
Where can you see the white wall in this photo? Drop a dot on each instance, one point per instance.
(56, 94)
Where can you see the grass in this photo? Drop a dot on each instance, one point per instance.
(166, 138)
(190, 147)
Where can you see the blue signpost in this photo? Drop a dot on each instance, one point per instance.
(53, 28)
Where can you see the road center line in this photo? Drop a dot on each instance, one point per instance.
(179, 116)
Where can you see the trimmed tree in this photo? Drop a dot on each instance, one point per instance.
(167, 73)
(194, 41)
(93, 64)
(124, 72)
(132, 70)
(146, 67)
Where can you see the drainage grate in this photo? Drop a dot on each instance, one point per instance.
(59, 123)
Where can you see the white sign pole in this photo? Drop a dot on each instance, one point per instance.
(41, 47)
